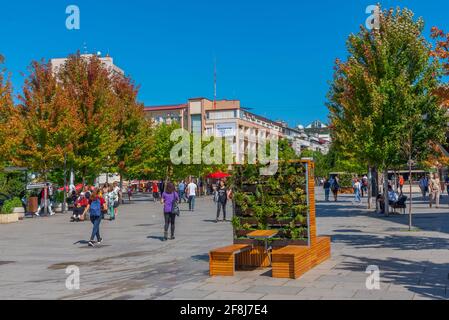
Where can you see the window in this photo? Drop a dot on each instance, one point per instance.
(197, 126)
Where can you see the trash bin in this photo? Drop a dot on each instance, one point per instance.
(32, 204)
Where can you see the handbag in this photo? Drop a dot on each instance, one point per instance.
(175, 206)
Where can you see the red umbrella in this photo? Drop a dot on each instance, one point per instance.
(218, 175)
(77, 187)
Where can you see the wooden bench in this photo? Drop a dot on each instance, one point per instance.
(222, 260)
(294, 261)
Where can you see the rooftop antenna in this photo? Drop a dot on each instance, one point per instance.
(215, 83)
(85, 47)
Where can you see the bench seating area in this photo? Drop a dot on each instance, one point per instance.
(401, 206)
(294, 261)
(287, 262)
(222, 261)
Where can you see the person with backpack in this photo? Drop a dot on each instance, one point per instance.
(96, 203)
(170, 200)
(221, 197)
(365, 183)
(335, 187)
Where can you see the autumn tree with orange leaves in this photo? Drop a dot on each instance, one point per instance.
(11, 128)
(49, 120)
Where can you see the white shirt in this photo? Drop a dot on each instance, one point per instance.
(192, 189)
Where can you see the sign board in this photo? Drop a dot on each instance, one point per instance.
(34, 186)
(223, 130)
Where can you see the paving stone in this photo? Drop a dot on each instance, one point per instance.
(223, 295)
(279, 290)
(134, 264)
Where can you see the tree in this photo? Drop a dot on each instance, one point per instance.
(383, 91)
(133, 130)
(49, 120)
(88, 86)
(11, 129)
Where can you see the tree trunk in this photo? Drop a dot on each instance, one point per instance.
(386, 202)
(369, 187)
(410, 222)
(121, 188)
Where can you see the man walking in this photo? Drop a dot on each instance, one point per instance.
(327, 190)
(221, 197)
(191, 192)
(424, 185)
(182, 189)
(46, 194)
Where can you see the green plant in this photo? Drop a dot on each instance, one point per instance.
(59, 197)
(9, 205)
(236, 223)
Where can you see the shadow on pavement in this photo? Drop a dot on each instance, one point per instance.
(424, 278)
(156, 238)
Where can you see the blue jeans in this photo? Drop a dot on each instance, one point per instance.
(191, 203)
(181, 195)
(357, 196)
(327, 193)
(96, 229)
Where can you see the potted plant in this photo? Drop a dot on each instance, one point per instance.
(7, 212)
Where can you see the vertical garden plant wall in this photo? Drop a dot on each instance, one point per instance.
(272, 202)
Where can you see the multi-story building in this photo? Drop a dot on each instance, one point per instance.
(107, 61)
(223, 118)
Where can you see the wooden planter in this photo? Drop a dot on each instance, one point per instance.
(346, 190)
(20, 212)
(9, 218)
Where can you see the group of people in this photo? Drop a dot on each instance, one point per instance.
(433, 186)
(109, 195)
(332, 184)
(171, 199)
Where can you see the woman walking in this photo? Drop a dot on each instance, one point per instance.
(221, 197)
(170, 199)
(96, 203)
(111, 200)
(357, 191)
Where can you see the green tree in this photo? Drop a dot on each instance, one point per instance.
(381, 93)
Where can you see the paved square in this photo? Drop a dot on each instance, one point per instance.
(133, 262)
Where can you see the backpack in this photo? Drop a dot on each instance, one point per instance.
(95, 208)
(335, 186)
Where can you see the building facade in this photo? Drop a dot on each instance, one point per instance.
(107, 61)
(223, 118)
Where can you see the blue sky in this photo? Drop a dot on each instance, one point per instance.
(275, 56)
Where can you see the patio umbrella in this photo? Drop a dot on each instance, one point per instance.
(77, 187)
(218, 175)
